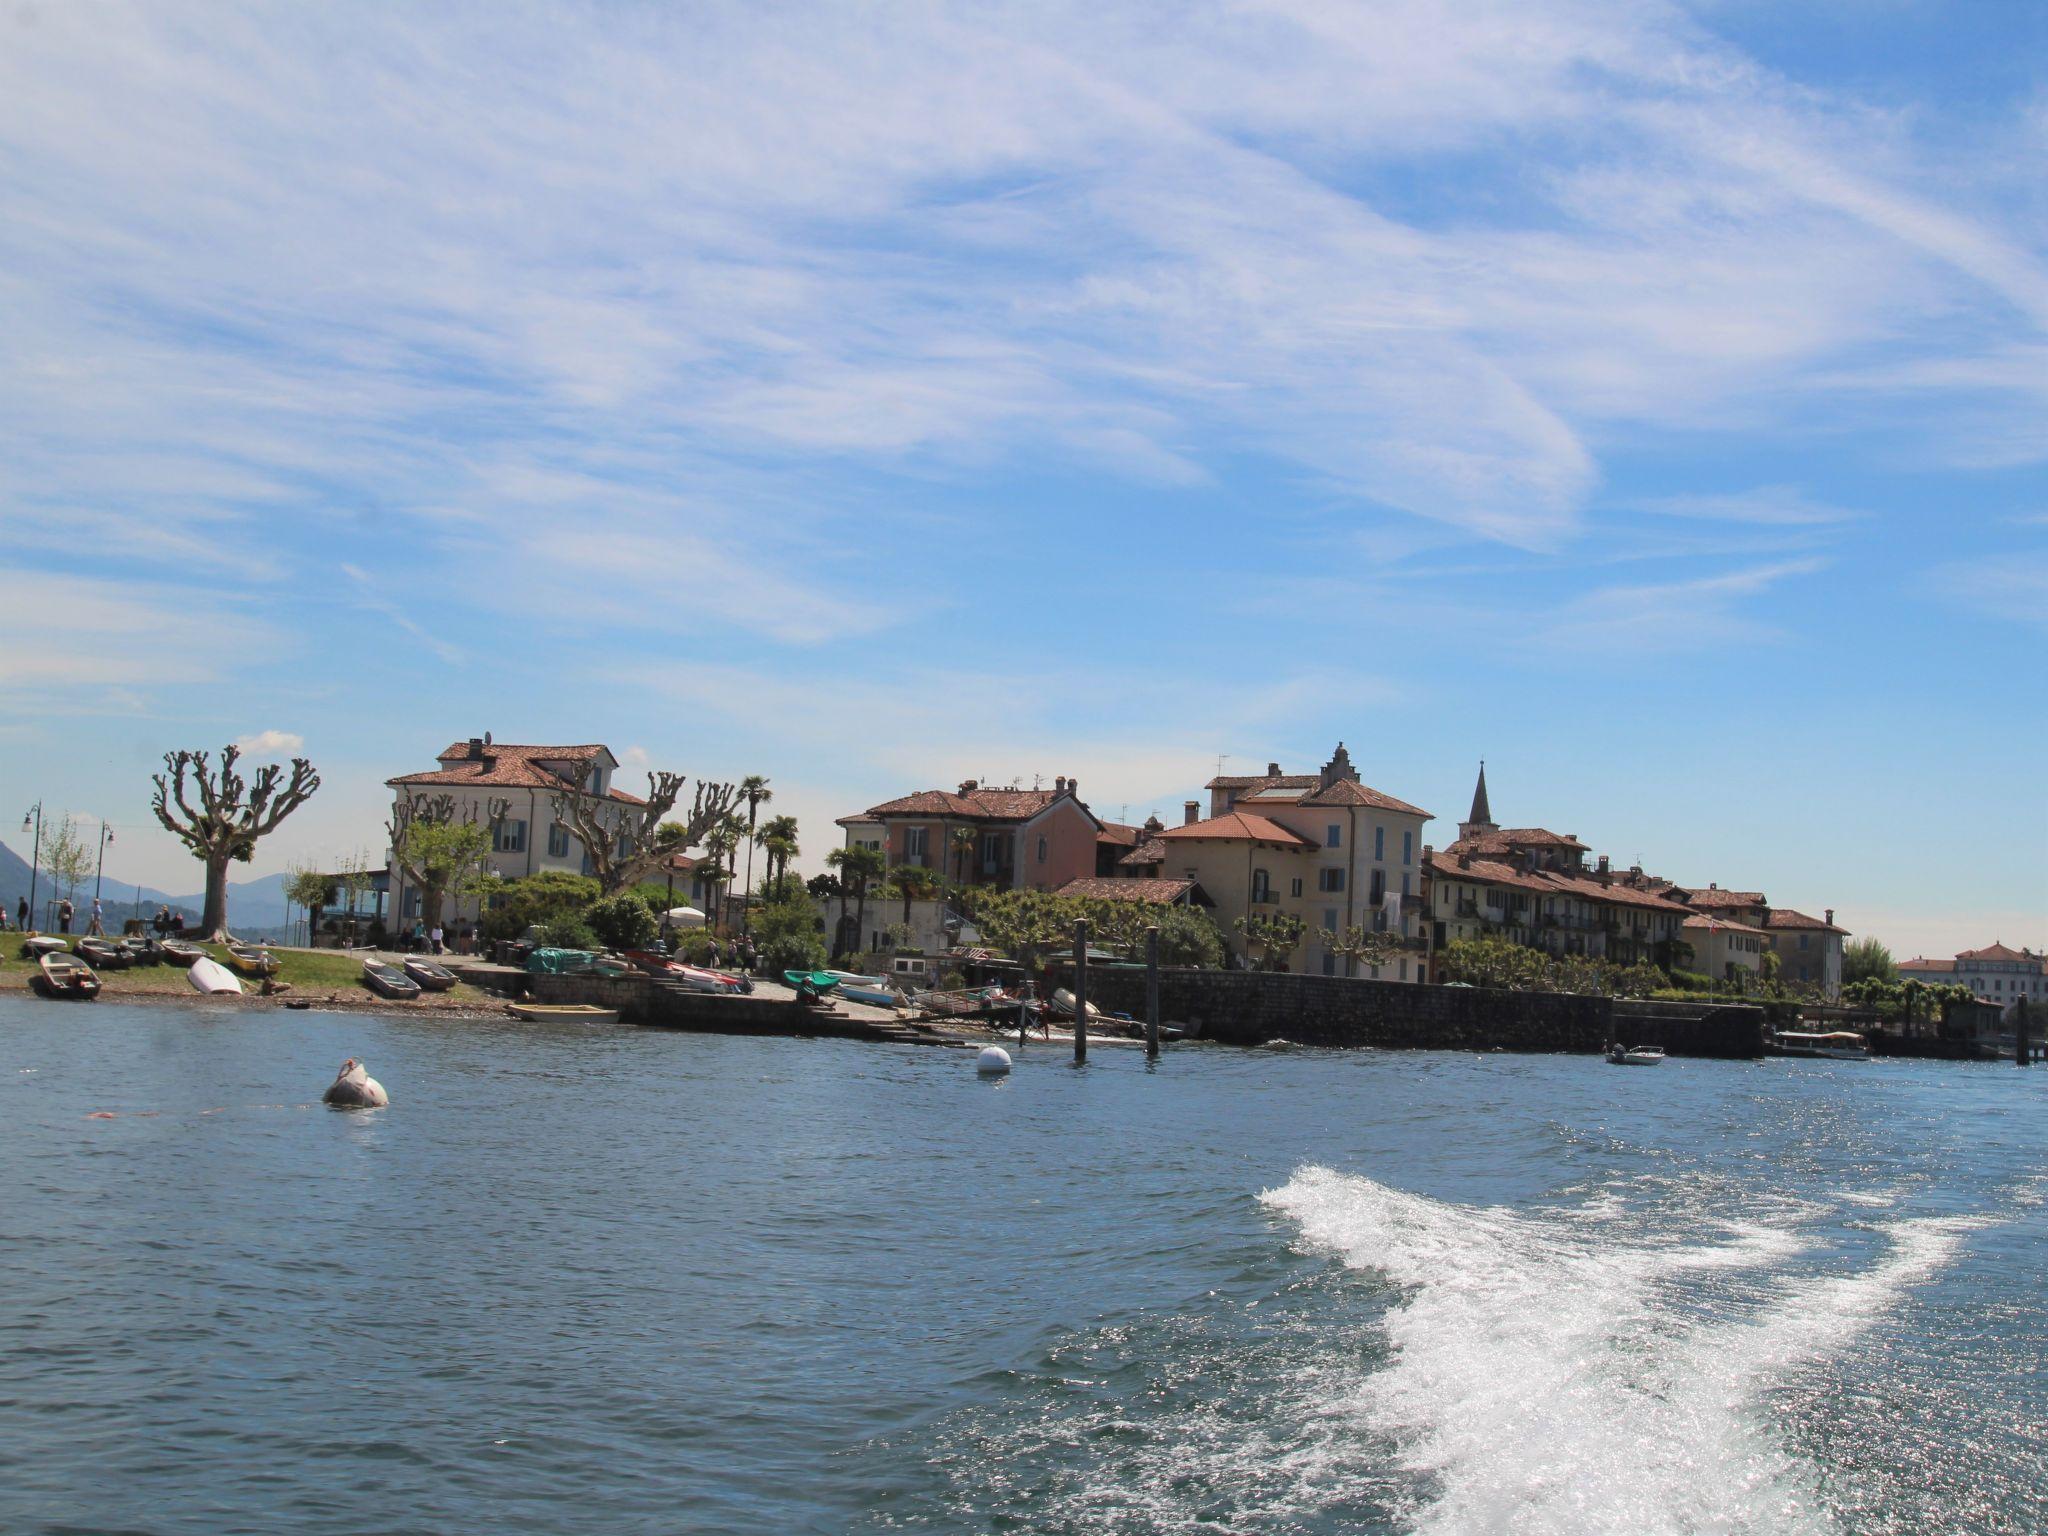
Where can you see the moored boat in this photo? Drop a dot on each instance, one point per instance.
(65, 975)
(811, 983)
(104, 954)
(1836, 1044)
(141, 951)
(570, 1013)
(1635, 1055)
(1063, 1005)
(252, 959)
(431, 977)
(179, 952)
(874, 990)
(389, 981)
(697, 979)
(44, 944)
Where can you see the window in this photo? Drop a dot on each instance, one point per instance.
(510, 838)
(1405, 892)
(1407, 847)
(1404, 970)
(991, 849)
(913, 843)
(1379, 842)
(558, 841)
(1294, 886)
(1802, 940)
(1329, 963)
(1041, 850)
(1378, 887)
(1330, 918)
(1329, 879)
(1261, 886)
(1333, 835)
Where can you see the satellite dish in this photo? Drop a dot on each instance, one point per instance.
(487, 738)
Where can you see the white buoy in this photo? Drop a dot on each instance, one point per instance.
(994, 1061)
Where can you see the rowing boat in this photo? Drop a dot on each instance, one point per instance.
(565, 1013)
(65, 975)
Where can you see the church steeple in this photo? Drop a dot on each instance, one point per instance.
(1482, 813)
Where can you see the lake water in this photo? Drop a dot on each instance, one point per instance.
(610, 1280)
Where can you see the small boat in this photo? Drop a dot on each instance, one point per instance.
(566, 1013)
(1063, 1005)
(651, 961)
(178, 952)
(431, 977)
(65, 975)
(104, 955)
(208, 975)
(388, 980)
(141, 951)
(1837, 1045)
(44, 944)
(811, 983)
(874, 990)
(252, 959)
(1635, 1055)
(698, 979)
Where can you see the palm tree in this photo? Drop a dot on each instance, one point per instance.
(719, 844)
(754, 790)
(913, 882)
(857, 868)
(777, 838)
(961, 840)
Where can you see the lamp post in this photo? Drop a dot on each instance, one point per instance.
(35, 858)
(106, 837)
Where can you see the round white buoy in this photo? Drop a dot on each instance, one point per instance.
(994, 1061)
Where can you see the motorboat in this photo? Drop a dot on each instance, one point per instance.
(874, 990)
(44, 944)
(63, 974)
(208, 975)
(104, 954)
(252, 959)
(179, 952)
(431, 977)
(141, 951)
(1635, 1055)
(697, 979)
(1837, 1045)
(389, 981)
(565, 1013)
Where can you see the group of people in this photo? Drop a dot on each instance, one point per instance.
(436, 940)
(66, 913)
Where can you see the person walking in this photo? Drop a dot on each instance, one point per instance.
(64, 915)
(21, 914)
(97, 927)
(434, 938)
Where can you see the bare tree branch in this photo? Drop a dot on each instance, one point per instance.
(229, 819)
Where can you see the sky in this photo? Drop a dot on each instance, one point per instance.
(1650, 399)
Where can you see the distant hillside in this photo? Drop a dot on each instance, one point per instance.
(252, 904)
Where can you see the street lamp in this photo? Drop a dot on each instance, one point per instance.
(106, 837)
(35, 858)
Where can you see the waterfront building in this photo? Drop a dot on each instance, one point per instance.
(1323, 847)
(479, 774)
(1018, 839)
(1998, 973)
(1809, 949)
(1530, 886)
(1725, 950)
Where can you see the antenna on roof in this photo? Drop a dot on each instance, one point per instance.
(1035, 778)
(1221, 759)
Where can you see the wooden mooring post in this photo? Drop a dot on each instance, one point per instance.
(2022, 1054)
(1080, 990)
(1152, 990)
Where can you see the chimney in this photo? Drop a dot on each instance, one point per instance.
(1074, 788)
(1154, 824)
(1712, 886)
(969, 786)
(1059, 785)
(476, 747)
(1272, 770)
(1464, 861)
(1605, 873)
(1190, 813)
(1831, 917)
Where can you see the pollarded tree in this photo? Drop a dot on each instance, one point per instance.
(627, 841)
(442, 854)
(1275, 936)
(232, 815)
(1359, 945)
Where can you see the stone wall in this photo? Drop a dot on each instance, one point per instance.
(1249, 1007)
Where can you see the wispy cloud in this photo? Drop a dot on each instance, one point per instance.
(370, 595)
(2012, 587)
(1663, 617)
(271, 745)
(1775, 506)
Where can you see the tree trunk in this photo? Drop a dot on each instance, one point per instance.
(860, 922)
(213, 916)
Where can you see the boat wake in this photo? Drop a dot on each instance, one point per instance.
(1562, 1371)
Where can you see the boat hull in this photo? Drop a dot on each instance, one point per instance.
(567, 1013)
(389, 981)
(209, 975)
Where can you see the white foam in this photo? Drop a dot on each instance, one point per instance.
(1554, 1375)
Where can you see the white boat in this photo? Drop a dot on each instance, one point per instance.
(211, 976)
(1837, 1045)
(569, 1013)
(1636, 1055)
(1063, 1004)
(697, 979)
(867, 989)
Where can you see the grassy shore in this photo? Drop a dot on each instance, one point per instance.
(310, 973)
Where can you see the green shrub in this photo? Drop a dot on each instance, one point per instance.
(551, 896)
(788, 936)
(622, 921)
(567, 933)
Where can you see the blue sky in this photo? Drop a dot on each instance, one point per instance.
(1650, 399)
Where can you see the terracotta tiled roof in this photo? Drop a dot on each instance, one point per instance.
(1927, 967)
(1508, 839)
(1116, 832)
(1547, 882)
(1785, 917)
(582, 754)
(1351, 792)
(1995, 952)
(975, 805)
(1151, 851)
(1238, 827)
(1265, 781)
(1717, 899)
(1100, 888)
(1718, 925)
(513, 773)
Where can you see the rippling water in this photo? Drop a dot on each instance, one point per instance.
(611, 1280)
